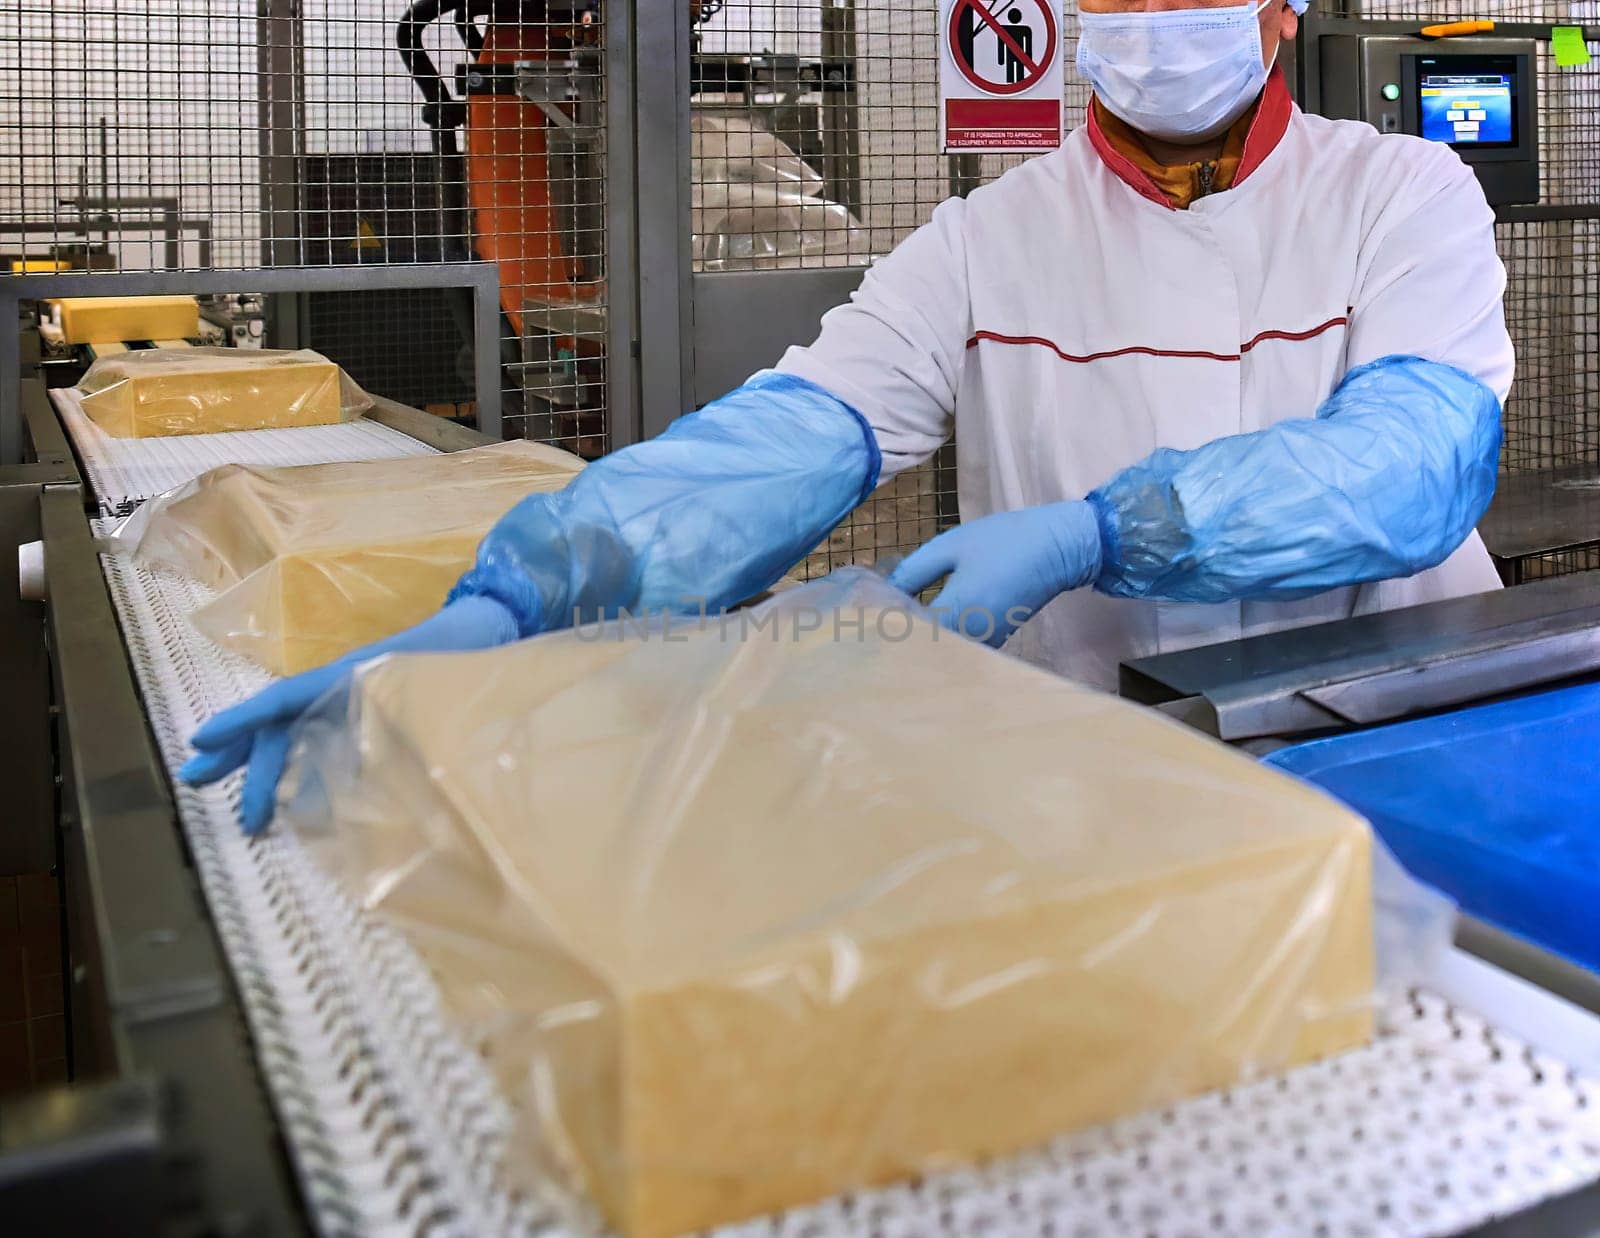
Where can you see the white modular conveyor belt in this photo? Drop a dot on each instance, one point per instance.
(124, 472)
(1447, 1120)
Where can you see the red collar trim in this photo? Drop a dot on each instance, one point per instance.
(1130, 173)
(1269, 126)
(1266, 131)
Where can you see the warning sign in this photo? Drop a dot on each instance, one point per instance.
(1000, 75)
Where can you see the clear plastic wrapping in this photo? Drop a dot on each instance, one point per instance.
(755, 204)
(746, 911)
(314, 561)
(155, 392)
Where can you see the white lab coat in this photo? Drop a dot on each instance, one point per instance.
(1065, 321)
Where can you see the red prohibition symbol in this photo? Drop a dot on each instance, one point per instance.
(1025, 65)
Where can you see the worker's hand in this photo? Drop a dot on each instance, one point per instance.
(1004, 568)
(255, 733)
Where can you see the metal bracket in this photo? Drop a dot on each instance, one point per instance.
(90, 1158)
(479, 80)
(1376, 668)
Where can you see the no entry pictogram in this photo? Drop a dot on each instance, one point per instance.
(1000, 75)
(1017, 54)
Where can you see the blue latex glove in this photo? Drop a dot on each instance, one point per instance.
(1389, 478)
(707, 514)
(1005, 567)
(255, 733)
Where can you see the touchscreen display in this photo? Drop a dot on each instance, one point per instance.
(1467, 102)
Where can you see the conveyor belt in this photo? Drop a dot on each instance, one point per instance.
(124, 472)
(394, 1127)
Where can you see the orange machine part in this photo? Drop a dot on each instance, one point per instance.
(508, 185)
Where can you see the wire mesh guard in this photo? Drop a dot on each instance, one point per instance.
(181, 134)
(1560, 563)
(185, 134)
(1553, 311)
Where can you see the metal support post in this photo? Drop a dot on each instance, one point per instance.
(661, 96)
(622, 204)
(841, 137)
(280, 110)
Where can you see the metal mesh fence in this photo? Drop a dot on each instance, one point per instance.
(184, 134)
(123, 122)
(421, 360)
(850, 90)
(1560, 563)
(1569, 124)
(1553, 311)
(1461, 10)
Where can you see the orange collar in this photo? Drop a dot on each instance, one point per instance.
(1249, 142)
(1181, 183)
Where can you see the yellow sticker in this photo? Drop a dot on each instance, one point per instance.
(1568, 45)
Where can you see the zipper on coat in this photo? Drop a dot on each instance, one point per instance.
(1208, 172)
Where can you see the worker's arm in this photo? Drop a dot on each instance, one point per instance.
(711, 511)
(1388, 478)
(706, 514)
(1433, 286)
(895, 350)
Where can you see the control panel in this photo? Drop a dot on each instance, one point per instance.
(1479, 96)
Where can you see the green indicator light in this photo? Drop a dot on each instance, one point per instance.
(1391, 92)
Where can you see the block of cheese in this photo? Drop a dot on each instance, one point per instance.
(748, 914)
(106, 320)
(317, 560)
(160, 391)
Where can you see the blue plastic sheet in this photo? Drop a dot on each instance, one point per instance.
(1498, 806)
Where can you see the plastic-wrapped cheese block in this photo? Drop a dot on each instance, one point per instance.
(106, 320)
(162, 391)
(821, 896)
(318, 560)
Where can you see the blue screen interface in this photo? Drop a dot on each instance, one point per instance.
(1466, 109)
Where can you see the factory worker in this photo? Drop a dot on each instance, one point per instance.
(1216, 367)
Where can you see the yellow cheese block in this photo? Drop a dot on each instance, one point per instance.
(742, 923)
(318, 560)
(102, 320)
(162, 391)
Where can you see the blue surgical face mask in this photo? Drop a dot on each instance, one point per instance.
(1181, 75)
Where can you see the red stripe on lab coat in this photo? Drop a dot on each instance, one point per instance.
(1294, 335)
(995, 337)
(1145, 350)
